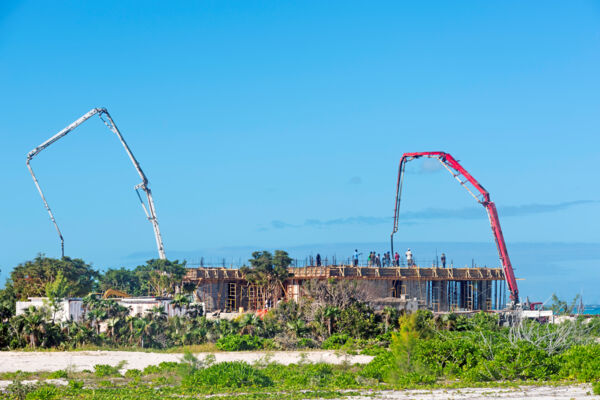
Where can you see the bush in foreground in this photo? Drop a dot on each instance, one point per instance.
(239, 342)
(235, 374)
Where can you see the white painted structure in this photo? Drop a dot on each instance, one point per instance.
(546, 315)
(139, 306)
(72, 309)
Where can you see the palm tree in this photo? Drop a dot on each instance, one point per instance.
(129, 323)
(180, 301)
(142, 328)
(34, 325)
(298, 327)
(249, 324)
(194, 310)
(331, 313)
(96, 316)
(111, 324)
(157, 313)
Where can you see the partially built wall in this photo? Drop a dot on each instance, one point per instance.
(437, 289)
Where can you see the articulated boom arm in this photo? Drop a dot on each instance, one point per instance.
(480, 194)
(148, 210)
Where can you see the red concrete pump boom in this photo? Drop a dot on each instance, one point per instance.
(483, 198)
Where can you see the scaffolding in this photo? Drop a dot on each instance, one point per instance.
(438, 289)
(232, 296)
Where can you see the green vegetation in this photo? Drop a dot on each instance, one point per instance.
(56, 279)
(102, 370)
(268, 272)
(417, 350)
(424, 352)
(32, 278)
(239, 342)
(194, 378)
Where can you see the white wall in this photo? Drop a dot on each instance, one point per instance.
(71, 309)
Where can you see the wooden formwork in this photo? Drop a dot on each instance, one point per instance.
(349, 272)
(441, 289)
(399, 273)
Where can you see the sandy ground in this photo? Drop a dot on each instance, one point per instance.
(55, 382)
(572, 392)
(575, 392)
(11, 361)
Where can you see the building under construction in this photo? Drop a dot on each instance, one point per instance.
(437, 289)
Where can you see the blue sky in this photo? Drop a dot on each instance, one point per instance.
(280, 125)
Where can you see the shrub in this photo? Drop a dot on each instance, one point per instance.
(45, 392)
(239, 342)
(484, 322)
(270, 344)
(165, 366)
(514, 362)
(18, 390)
(101, 370)
(596, 388)
(75, 384)
(61, 373)
(233, 374)
(379, 367)
(309, 375)
(306, 343)
(335, 341)
(358, 320)
(450, 355)
(413, 378)
(133, 373)
(581, 363)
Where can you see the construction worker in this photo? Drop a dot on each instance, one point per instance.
(355, 257)
(409, 258)
(443, 259)
(318, 260)
(397, 259)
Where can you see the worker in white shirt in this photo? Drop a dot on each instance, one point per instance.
(409, 258)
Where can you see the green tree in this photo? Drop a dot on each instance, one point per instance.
(7, 303)
(56, 291)
(160, 277)
(34, 325)
(403, 346)
(268, 271)
(31, 278)
(330, 314)
(121, 279)
(181, 301)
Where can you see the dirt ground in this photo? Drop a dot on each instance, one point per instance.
(11, 361)
(575, 392)
(572, 392)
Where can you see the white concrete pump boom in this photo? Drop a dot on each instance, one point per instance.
(150, 210)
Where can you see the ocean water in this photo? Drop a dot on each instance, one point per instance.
(594, 310)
